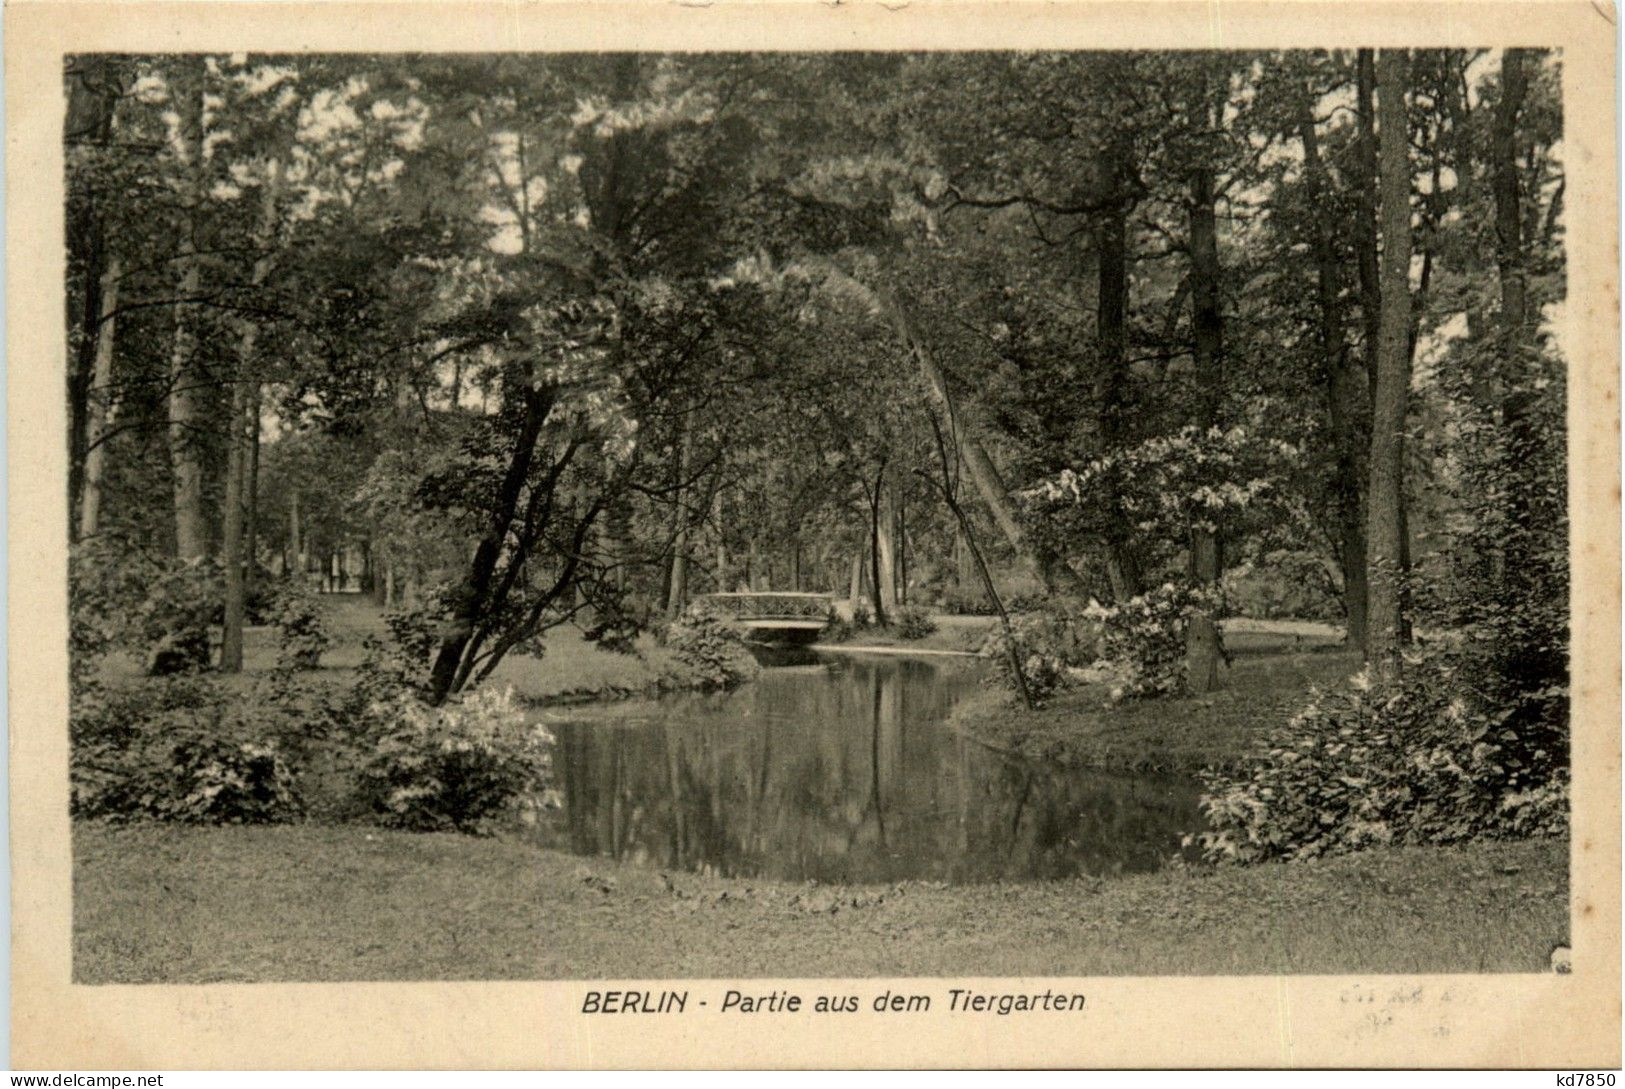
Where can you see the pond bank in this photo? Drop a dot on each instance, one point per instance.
(1081, 728)
(173, 904)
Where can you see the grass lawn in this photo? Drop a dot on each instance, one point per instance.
(1081, 728)
(571, 668)
(192, 905)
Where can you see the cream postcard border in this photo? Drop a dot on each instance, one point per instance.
(1466, 1020)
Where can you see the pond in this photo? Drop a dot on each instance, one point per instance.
(844, 771)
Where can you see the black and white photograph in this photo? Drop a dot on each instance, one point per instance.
(744, 515)
(643, 515)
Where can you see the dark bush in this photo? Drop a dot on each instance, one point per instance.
(178, 749)
(711, 648)
(914, 622)
(302, 633)
(124, 596)
(1423, 761)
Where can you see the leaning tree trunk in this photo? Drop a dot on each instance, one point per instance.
(959, 424)
(1346, 389)
(1385, 526)
(1204, 658)
(469, 601)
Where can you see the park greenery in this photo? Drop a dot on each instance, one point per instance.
(1109, 348)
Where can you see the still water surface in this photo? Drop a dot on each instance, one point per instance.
(844, 771)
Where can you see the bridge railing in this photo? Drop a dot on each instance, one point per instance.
(771, 606)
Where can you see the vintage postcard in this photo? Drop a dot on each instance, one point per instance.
(790, 534)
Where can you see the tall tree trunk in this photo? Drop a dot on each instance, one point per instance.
(242, 435)
(1517, 567)
(296, 544)
(886, 545)
(1509, 257)
(902, 548)
(959, 424)
(1346, 388)
(877, 569)
(99, 405)
(185, 422)
(677, 590)
(1204, 658)
(722, 542)
(251, 520)
(186, 402)
(1385, 527)
(965, 576)
(854, 594)
(1365, 222)
(231, 545)
(1111, 388)
(92, 101)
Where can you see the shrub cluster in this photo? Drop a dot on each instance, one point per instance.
(914, 622)
(302, 633)
(458, 767)
(125, 597)
(1051, 644)
(177, 749)
(711, 647)
(1421, 761)
(837, 630)
(1143, 639)
(182, 749)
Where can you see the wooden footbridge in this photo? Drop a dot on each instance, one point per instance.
(775, 617)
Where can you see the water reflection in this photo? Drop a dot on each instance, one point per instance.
(843, 771)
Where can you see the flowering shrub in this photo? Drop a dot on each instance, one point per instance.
(452, 768)
(711, 647)
(1165, 488)
(301, 631)
(1143, 639)
(1413, 763)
